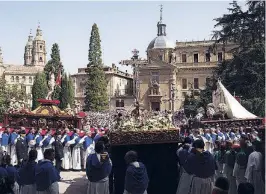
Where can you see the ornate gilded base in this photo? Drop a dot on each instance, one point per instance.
(144, 137)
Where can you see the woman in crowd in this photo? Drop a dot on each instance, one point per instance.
(5, 184)
(185, 178)
(254, 167)
(38, 145)
(201, 165)
(27, 175)
(98, 169)
(136, 180)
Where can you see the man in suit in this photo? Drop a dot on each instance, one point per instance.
(22, 148)
(59, 154)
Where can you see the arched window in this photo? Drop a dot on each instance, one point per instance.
(30, 79)
(23, 79)
(12, 79)
(17, 79)
(40, 58)
(41, 47)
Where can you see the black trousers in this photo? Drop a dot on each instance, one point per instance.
(58, 164)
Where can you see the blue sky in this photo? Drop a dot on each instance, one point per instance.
(123, 26)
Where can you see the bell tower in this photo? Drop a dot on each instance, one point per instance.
(39, 49)
(28, 50)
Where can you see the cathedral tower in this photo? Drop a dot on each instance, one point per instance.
(39, 49)
(28, 50)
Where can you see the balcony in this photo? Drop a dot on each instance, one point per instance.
(123, 92)
(200, 64)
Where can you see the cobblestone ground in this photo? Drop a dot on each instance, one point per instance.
(73, 183)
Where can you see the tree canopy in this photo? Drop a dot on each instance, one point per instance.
(96, 98)
(39, 89)
(244, 74)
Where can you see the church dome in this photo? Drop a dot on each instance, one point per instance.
(161, 42)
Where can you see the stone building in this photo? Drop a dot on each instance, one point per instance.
(119, 87)
(34, 62)
(172, 70)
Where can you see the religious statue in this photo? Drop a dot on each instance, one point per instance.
(77, 106)
(69, 110)
(51, 84)
(172, 57)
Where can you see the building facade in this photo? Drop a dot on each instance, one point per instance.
(173, 69)
(119, 87)
(34, 62)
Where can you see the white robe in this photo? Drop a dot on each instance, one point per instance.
(13, 153)
(87, 152)
(53, 189)
(28, 189)
(253, 172)
(76, 155)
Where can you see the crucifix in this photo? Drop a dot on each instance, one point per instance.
(135, 62)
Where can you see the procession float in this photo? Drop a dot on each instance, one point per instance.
(47, 115)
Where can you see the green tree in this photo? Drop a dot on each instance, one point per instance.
(39, 89)
(95, 53)
(96, 86)
(67, 94)
(244, 74)
(54, 64)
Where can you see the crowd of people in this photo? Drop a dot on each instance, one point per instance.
(229, 162)
(211, 160)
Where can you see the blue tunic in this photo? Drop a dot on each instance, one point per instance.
(67, 139)
(5, 139)
(13, 137)
(88, 141)
(38, 140)
(29, 137)
(77, 139)
(27, 173)
(45, 175)
(47, 141)
(12, 173)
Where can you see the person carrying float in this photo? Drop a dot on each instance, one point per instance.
(5, 140)
(38, 139)
(88, 146)
(30, 139)
(67, 159)
(76, 142)
(48, 141)
(13, 140)
(26, 174)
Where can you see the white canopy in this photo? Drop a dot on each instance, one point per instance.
(235, 109)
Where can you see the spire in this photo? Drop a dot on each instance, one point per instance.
(1, 57)
(161, 28)
(161, 14)
(30, 36)
(38, 31)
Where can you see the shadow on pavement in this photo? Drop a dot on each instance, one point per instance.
(77, 185)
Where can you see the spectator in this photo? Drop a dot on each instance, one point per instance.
(27, 174)
(47, 176)
(245, 188)
(221, 186)
(136, 180)
(98, 169)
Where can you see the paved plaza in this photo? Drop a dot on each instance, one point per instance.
(73, 183)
